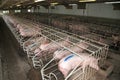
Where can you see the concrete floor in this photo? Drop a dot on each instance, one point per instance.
(13, 67)
(115, 75)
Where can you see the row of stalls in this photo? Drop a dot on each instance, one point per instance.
(60, 51)
(105, 31)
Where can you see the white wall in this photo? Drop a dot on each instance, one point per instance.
(43, 9)
(94, 9)
(102, 10)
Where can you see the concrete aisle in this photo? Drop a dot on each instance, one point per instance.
(0, 60)
(13, 66)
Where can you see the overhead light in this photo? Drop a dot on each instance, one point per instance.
(112, 2)
(53, 4)
(87, 0)
(38, 0)
(18, 5)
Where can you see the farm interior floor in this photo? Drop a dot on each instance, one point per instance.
(115, 75)
(14, 67)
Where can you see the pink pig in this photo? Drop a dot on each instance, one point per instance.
(59, 54)
(69, 62)
(51, 47)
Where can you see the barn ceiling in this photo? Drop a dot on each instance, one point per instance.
(9, 4)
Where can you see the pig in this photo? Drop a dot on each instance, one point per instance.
(44, 43)
(59, 54)
(27, 32)
(23, 32)
(37, 51)
(19, 26)
(69, 62)
(31, 42)
(116, 39)
(51, 47)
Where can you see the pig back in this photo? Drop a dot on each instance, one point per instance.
(69, 62)
(59, 54)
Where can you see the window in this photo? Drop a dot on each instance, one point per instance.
(29, 10)
(17, 11)
(6, 11)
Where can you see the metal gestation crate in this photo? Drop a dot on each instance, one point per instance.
(33, 41)
(24, 24)
(52, 35)
(11, 26)
(31, 44)
(50, 70)
(96, 50)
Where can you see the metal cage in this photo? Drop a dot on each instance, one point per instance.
(97, 50)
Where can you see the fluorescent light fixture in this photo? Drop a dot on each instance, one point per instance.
(54, 3)
(87, 0)
(112, 2)
(18, 5)
(38, 0)
(29, 10)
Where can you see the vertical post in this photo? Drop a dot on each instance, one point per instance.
(0, 66)
(49, 20)
(11, 11)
